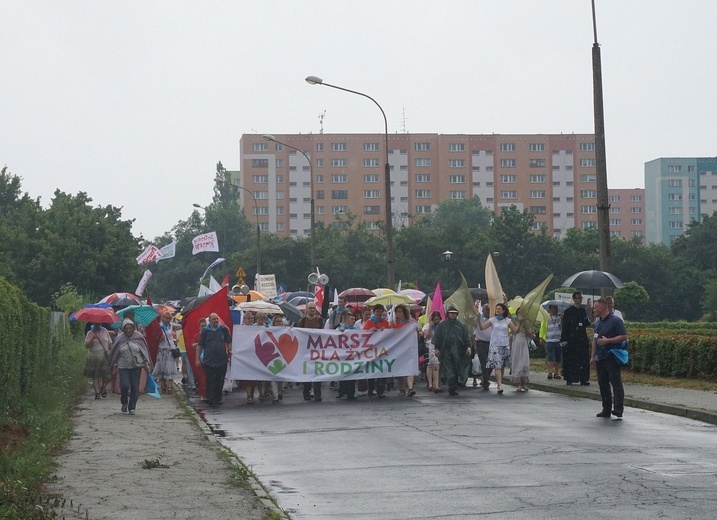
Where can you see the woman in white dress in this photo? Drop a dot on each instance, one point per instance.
(520, 357)
(499, 350)
(166, 367)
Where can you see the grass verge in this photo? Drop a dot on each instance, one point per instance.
(35, 429)
(638, 378)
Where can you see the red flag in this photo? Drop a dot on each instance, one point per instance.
(225, 282)
(153, 333)
(319, 295)
(217, 303)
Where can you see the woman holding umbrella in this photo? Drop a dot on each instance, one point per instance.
(98, 343)
(130, 355)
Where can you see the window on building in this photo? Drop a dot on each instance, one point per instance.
(507, 147)
(422, 147)
(319, 147)
(615, 209)
(588, 177)
(422, 162)
(457, 179)
(537, 147)
(371, 194)
(636, 209)
(536, 194)
(319, 194)
(280, 163)
(372, 225)
(264, 226)
(456, 163)
(423, 209)
(457, 195)
(614, 198)
(589, 225)
(674, 168)
(587, 162)
(587, 147)
(538, 210)
(339, 210)
(371, 178)
(260, 210)
(280, 210)
(423, 194)
(538, 179)
(507, 163)
(456, 147)
(508, 194)
(320, 210)
(260, 179)
(259, 147)
(676, 211)
(637, 198)
(338, 147)
(260, 163)
(370, 147)
(339, 163)
(616, 222)
(372, 210)
(508, 179)
(588, 210)
(423, 177)
(588, 194)
(675, 224)
(339, 178)
(280, 226)
(279, 195)
(261, 195)
(371, 163)
(636, 222)
(536, 163)
(535, 226)
(339, 194)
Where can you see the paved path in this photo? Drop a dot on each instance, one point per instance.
(101, 477)
(534, 455)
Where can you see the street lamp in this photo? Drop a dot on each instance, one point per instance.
(390, 258)
(449, 273)
(270, 137)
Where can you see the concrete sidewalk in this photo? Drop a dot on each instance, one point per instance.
(694, 404)
(160, 463)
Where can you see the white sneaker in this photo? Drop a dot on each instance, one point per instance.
(131, 412)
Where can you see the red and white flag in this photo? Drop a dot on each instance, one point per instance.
(205, 242)
(149, 255)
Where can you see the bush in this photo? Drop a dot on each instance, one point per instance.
(674, 355)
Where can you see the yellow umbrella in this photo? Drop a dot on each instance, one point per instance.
(514, 306)
(383, 291)
(389, 299)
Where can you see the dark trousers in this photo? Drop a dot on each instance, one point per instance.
(317, 390)
(482, 348)
(608, 374)
(347, 388)
(377, 385)
(214, 382)
(129, 386)
(576, 362)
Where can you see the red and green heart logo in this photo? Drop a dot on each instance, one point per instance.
(276, 354)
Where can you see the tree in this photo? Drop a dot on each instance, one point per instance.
(709, 300)
(631, 297)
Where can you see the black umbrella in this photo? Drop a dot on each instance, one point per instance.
(291, 312)
(593, 280)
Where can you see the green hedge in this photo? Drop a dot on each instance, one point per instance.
(675, 355)
(674, 327)
(25, 346)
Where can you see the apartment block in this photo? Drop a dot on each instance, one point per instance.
(678, 190)
(627, 213)
(551, 175)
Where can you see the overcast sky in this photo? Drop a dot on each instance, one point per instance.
(135, 102)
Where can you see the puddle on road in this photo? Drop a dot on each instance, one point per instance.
(281, 488)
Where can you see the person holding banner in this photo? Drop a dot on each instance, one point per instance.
(277, 386)
(312, 320)
(377, 321)
(213, 342)
(249, 386)
(453, 348)
(347, 388)
(401, 318)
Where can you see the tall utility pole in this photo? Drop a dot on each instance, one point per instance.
(603, 206)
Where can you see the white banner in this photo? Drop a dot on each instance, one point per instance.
(205, 242)
(294, 354)
(149, 255)
(168, 251)
(266, 285)
(143, 282)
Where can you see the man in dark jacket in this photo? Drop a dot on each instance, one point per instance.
(453, 347)
(576, 347)
(213, 341)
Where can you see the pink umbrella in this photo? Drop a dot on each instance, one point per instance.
(415, 294)
(117, 295)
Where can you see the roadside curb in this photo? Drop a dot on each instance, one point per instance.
(256, 486)
(680, 411)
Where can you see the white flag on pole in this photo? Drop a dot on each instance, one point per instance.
(205, 242)
(168, 251)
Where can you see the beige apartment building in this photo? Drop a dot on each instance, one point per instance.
(551, 175)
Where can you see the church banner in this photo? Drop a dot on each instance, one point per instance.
(295, 354)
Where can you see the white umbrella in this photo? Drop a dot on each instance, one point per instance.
(259, 306)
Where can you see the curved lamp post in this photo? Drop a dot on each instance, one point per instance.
(390, 257)
(270, 137)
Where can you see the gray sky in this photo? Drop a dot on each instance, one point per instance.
(135, 102)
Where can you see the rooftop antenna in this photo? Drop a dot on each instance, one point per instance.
(403, 121)
(321, 121)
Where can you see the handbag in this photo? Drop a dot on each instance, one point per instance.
(176, 353)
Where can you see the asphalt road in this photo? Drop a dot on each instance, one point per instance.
(521, 456)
